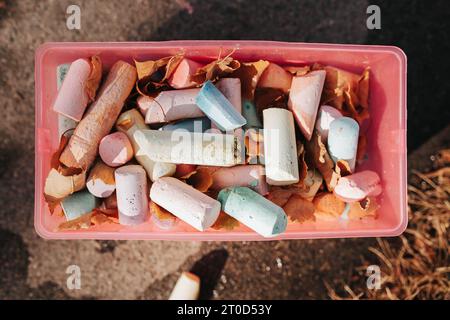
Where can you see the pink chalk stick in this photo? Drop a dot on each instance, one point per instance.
(252, 176)
(72, 98)
(115, 149)
(275, 77)
(304, 99)
(358, 186)
(181, 77)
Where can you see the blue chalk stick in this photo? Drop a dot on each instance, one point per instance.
(78, 204)
(218, 108)
(343, 140)
(192, 125)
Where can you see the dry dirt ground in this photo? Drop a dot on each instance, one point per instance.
(34, 268)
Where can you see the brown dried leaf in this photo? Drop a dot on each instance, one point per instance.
(299, 209)
(254, 145)
(83, 222)
(201, 179)
(160, 213)
(249, 74)
(225, 222)
(184, 171)
(146, 69)
(343, 168)
(269, 98)
(302, 165)
(362, 148)
(280, 195)
(298, 71)
(328, 204)
(94, 78)
(318, 156)
(365, 208)
(215, 69)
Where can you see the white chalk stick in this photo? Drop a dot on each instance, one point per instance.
(186, 288)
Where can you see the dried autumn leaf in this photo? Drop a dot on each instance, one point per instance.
(249, 74)
(318, 156)
(309, 186)
(254, 146)
(99, 218)
(215, 69)
(327, 204)
(299, 209)
(365, 208)
(362, 148)
(201, 179)
(83, 222)
(302, 165)
(146, 69)
(298, 71)
(160, 213)
(280, 195)
(95, 76)
(269, 98)
(184, 171)
(225, 222)
(343, 168)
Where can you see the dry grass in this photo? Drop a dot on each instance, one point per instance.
(416, 266)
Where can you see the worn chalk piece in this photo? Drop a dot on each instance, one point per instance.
(218, 108)
(201, 124)
(185, 202)
(304, 99)
(181, 77)
(131, 121)
(358, 186)
(343, 140)
(280, 147)
(132, 194)
(326, 115)
(115, 149)
(101, 182)
(64, 123)
(78, 204)
(186, 288)
(276, 77)
(170, 105)
(253, 210)
(178, 147)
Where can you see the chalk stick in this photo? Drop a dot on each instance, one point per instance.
(101, 181)
(170, 105)
(64, 123)
(181, 77)
(304, 99)
(132, 194)
(252, 176)
(185, 202)
(231, 89)
(250, 114)
(280, 147)
(343, 140)
(78, 204)
(358, 186)
(186, 288)
(253, 210)
(131, 121)
(185, 147)
(201, 124)
(82, 147)
(72, 98)
(115, 149)
(218, 108)
(326, 115)
(276, 77)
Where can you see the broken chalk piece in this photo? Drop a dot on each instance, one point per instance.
(209, 149)
(78, 204)
(131, 121)
(326, 115)
(343, 140)
(276, 77)
(101, 182)
(170, 105)
(186, 288)
(190, 205)
(304, 99)
(73, 98)
(64, 123)
(251, 115)
(132, 194)
(192, 125)
(115, 149)
(231, 89)
(252, 176)
(253, 210)
(280, 147)
(218, 108)
(181, 77)
(358, 186)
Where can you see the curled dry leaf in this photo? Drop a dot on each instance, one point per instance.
(310, 185)
(365, 208)
(184, 171)
(302, 166)
(83, 222)
(346, 91)
(254, 146)
(298, 71)
(160, 213)
(328, 206)
(299, 209)
(280, 195)
(95, 77)
(249, 74)
(225, 222)
(201, 179)
(215, 69)
(343, 168)
(269, 98)
(318, 156)
(362, 148)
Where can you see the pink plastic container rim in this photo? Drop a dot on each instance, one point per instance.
(386, 133)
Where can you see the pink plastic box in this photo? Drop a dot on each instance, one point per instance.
(386, 134)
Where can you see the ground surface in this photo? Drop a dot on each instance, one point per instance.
(34, 268)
